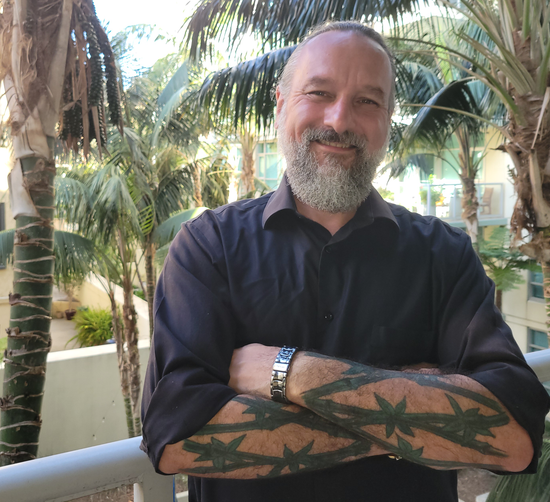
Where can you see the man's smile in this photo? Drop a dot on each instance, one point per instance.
(343, 146)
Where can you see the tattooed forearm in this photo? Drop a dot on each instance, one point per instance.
(254, 437)
(269, 415)
(469, 421)
(228, 458)
(344, 411)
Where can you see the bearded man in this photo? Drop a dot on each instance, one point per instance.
(319, 344)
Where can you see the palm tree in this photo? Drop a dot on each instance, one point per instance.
(52, 72)
(159, 152)
(507, 47)
(461, 110)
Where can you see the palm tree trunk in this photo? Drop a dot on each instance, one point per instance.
(498, 299)
(122, 363)
(248, 172)
(470, 205)
(468, 171)
(151, 283)
(197, 184)
(129, 318)
(29, 328)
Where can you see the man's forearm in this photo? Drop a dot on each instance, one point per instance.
(441, 421)
(252, 436)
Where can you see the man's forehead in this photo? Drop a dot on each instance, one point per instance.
(338, 44)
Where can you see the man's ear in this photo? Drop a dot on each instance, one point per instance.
(280, 102)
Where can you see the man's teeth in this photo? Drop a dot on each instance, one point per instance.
(338, 145)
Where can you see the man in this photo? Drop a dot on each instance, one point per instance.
(404, 370)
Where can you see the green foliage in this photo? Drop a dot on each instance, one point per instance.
(93, 327)
(526, 487)
(501, 262)
(139, 293)
(435, 193)
(385, 193)
(3, 343)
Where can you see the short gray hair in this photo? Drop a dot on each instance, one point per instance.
(287, 73)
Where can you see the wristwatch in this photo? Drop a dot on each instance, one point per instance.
(279, 374)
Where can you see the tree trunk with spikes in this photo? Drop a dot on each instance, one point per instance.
(29, 336)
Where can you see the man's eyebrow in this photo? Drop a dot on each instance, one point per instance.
(322, 81)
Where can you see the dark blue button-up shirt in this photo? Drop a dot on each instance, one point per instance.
(390, 288)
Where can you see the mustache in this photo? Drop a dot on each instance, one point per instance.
(310, 135)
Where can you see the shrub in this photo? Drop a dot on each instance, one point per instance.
(93, 327)
(139, 293)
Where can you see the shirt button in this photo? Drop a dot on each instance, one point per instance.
(329, 317)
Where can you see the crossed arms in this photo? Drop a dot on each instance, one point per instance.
(343, 411)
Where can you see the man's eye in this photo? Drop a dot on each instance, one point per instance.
(318, 93)
(367, 101)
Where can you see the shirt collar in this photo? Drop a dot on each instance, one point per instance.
(373, 208)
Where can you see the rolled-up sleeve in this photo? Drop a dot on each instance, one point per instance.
(188, 370)
(475, 341)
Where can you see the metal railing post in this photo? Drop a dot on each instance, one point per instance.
(154, 488)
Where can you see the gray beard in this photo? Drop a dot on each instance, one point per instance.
(330, 186)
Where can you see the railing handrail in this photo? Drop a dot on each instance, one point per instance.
(82, 472)
(540, 363)
(426, 183)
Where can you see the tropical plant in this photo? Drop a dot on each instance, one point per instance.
(93, 327)
(159, 152)
(503, 263)
(526, 487)
(52, 70)
(459, 111)
(506, 45)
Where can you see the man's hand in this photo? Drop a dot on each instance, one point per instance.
(250, 369)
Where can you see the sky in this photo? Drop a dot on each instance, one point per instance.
(167, 15)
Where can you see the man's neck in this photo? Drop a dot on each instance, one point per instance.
(331, 221)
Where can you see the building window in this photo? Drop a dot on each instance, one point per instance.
(538, 340)
(268, 163)
(535, 284)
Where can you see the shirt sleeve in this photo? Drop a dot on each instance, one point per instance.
(472, 327)
(193, 342)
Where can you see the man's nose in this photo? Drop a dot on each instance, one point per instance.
(339, 116)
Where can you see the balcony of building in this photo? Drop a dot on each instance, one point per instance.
(445, 202)
(64, 477)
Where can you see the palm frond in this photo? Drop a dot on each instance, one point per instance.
(167, 112)
(174, 188)
(179, 80)
(75, 257)
(161, 254)
(72, 200)
(113, 205)
(399, 165)
(243, 92)
(525, 487)
(435, 123)
(278, 24)
(165, 233)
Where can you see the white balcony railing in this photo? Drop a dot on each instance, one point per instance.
(64, 477)
(445, 200)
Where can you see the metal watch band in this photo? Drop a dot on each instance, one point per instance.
(279, 374)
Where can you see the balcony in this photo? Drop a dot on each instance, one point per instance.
(60, 478)
(445, 202)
